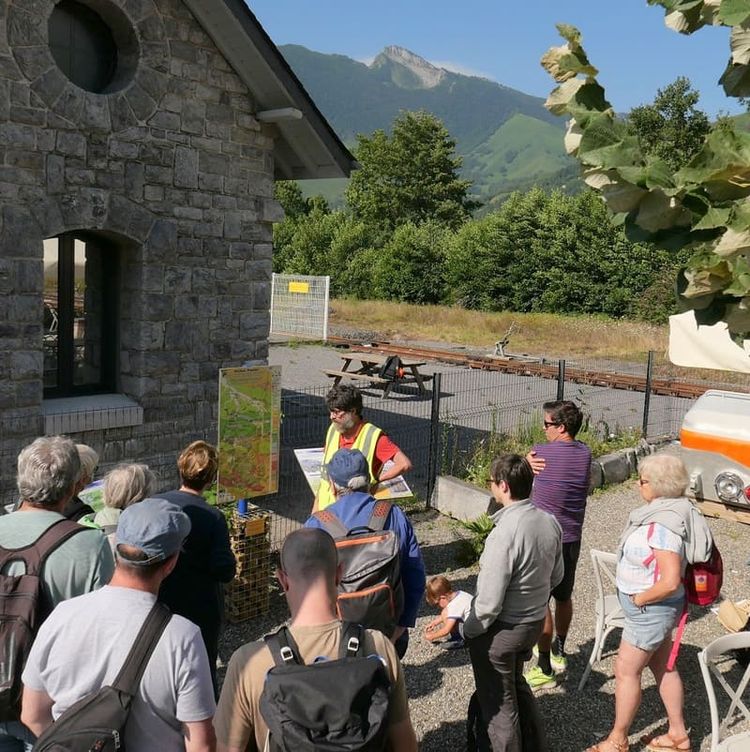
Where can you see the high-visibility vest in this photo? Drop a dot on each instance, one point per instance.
(366, 441)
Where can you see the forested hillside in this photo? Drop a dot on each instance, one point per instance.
(507, 139)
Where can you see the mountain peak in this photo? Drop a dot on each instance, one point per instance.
(426, 73)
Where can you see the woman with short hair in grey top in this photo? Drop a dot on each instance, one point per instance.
(521, 563)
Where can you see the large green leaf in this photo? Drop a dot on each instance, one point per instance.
(558, 102)
(739, 44)
(733, 12)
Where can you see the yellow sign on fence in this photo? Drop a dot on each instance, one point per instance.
(303, 287)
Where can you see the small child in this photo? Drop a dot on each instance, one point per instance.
(455, 605)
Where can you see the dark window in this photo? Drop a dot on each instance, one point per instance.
(82, 45)
(80, 315)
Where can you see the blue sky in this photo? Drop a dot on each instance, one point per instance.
(503, 40)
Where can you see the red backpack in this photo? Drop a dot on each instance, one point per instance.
(703, 580)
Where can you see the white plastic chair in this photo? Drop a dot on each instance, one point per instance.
(707, 658)
(609, 615)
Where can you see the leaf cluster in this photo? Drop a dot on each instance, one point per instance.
(701, 206)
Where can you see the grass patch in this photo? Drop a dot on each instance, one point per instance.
(475, 467)
(535, 333)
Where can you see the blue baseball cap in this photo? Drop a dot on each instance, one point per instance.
(347, 465)
(155, 526)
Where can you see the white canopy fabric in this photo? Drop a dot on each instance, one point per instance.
(705, 346)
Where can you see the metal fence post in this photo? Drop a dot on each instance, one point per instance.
(433, 458)
(560, 380)
(647, 394)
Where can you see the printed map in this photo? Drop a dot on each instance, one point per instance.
(249, 425)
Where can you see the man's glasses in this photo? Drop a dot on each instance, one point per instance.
(548, 423)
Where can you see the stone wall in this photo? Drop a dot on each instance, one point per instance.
(175, 169)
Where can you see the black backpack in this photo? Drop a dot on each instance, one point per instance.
(97, 722)
(23, 608)
(370, 592)
(390, 368)
(328, 705)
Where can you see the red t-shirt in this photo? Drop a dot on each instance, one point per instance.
(385, 449)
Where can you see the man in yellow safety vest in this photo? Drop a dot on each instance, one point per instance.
(348, 430)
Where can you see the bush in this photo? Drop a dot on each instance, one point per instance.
(411, 265)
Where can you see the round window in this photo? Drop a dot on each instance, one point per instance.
(83, 46)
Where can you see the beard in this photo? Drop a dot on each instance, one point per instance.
(346, 424)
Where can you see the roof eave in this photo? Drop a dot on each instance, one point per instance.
(306, 147)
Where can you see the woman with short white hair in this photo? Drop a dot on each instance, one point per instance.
(124, 485)
(651, 565)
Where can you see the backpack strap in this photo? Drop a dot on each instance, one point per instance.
(379, 515)
(137, 659)
(35, 554)
(283, 648)
(331, 523)
(352, 643)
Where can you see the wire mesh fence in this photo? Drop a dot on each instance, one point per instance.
(440, 429)
(299, 306)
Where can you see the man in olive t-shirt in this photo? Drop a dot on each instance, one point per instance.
(308, 574)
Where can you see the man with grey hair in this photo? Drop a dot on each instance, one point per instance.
(348, 478)
(48, 471)
(174, 706)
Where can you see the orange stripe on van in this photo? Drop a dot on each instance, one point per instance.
(739, 451)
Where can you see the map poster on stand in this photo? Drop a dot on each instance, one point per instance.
(249, 427)
(311, 461)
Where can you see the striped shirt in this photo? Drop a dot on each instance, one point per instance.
(562, 487)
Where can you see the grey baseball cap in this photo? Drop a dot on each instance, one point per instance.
(346, 465)
(155, 526)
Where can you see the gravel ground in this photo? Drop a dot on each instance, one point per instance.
(440, 682)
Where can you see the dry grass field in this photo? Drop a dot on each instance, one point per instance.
(546, 334)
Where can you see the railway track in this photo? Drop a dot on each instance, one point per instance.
(669, 387)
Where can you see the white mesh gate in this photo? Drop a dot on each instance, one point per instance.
(299, 305)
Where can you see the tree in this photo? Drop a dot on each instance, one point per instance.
(411, 176)
(410, 266)
(289, 195)
(671, 128)
(704, 205)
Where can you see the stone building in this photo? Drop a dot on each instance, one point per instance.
(139, 143)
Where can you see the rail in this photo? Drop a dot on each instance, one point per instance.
(628, 382)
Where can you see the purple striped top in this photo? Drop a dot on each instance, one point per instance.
(562, 487)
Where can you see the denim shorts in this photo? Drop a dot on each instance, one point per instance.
(648, 628)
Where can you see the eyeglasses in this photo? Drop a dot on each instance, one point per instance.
(338, 413)
(642, 481)
(548, 423)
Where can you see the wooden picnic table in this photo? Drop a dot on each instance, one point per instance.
(367, 366)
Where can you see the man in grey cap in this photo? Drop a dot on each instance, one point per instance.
(83, 644)
(348, 478)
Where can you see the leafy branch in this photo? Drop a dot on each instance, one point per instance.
(702, 206)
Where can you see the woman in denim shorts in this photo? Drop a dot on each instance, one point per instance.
(650, 569)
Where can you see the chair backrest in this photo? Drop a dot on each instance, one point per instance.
(708, 659)
(605, 571)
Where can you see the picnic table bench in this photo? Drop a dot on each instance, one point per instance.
(367, 368)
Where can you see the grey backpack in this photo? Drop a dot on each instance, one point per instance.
(96, 723)
(370, 592)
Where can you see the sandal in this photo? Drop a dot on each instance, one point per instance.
(607, 745)
(665, 741)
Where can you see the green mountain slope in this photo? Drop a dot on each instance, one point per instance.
(507, 138)
(522, 150)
